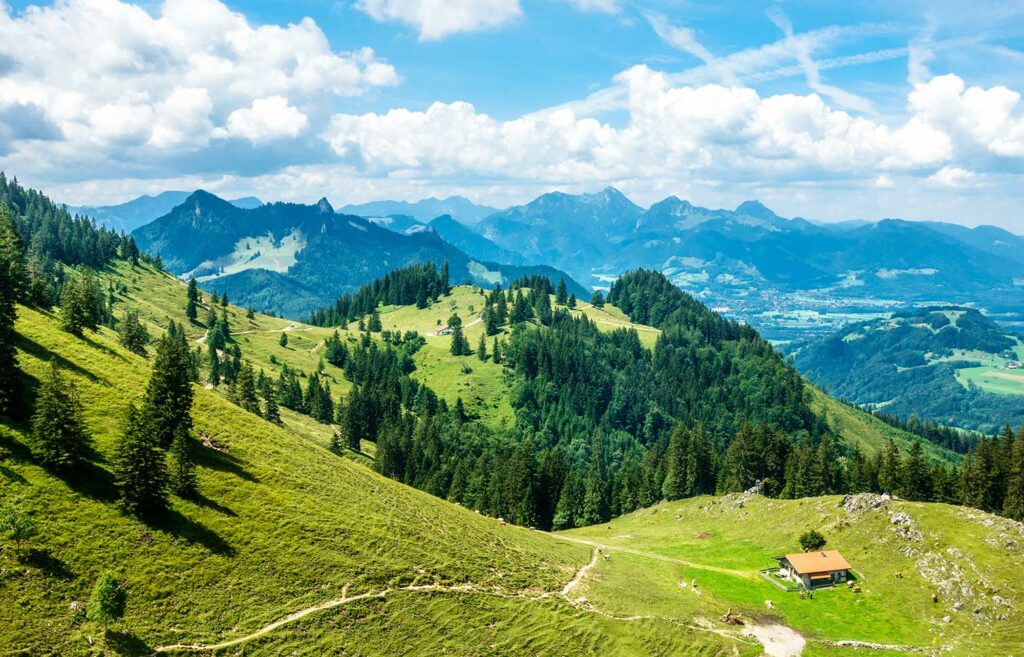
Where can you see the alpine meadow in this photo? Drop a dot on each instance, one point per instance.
(549, 380)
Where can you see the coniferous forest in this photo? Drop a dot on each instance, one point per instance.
(603, 425)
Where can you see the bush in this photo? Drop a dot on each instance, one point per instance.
(107, 602)
(812, 540)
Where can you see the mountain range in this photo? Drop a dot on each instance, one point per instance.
(460, 207)
(291, 258)
(144, 209)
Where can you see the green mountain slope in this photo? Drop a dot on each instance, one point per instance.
(949, 365)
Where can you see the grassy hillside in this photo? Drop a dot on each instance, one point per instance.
(292, 549)
(699, 558)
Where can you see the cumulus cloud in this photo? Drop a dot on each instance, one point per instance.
(436, 19)
(726, 133)
(952, 177)
(169, 82)
(267, 119)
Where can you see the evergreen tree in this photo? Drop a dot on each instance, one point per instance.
(283, 340)
(460, 346)
(246, 396)
(889, 469)
(520, 309)
(572, 300)
(168, 400)
(569, 511)
(481, 347)
(12, 281)
(700, 466)
(543, 309)
(445, 283)
(562, 295)
(915, 477)
(674, 486)
(192, 300)
(597, 299)
(374, 325)
(496, 355)
(183, 468)
(270, 408)
(80, 304)
(213, 359)
(132, 334)
(596, 489)
(1013, 504)
(140, 468)
(59, 437)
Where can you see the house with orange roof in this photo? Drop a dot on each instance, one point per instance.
(814, 569)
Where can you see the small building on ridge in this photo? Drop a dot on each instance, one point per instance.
(814, 569)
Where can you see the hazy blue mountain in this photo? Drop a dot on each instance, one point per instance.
(398, 223)
(144, 209)
(750, 258)
(578, 232)
(288, 257)
(459, 207)
(946, 364)
(473, 243)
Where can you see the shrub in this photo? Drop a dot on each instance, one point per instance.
(812, 540)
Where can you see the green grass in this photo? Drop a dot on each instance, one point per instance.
(744, 536)
(282, 523)
(867, 433)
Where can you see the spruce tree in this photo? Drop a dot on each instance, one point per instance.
(77, 307)
(132, 334)
(889, 470)
(168, 400)
(481, 347)
(572, 300)
(192, 300)
(213, 359)
(915, 477)
(59, 437)
(283, 340)
(1013, 504)
(246, 396)
(496, 351)
(562, 294)
(183, 468)
(374, 325)
(270, 408)
(140, 467)
(12, 281)
(674, 487)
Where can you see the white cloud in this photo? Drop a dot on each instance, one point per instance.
(724, 133)
(883, 182)
(267, 119)
(166, 82)
(436, 19)
(952, 177)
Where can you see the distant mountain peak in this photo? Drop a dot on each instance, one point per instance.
(756, 209)
(324, 206)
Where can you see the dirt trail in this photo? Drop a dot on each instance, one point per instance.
(658, 557)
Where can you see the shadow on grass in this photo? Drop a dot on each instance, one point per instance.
(192, 531)
(122, 643)
(37, 350)
(50, 565)
(223, 462)
(207, 503)
(92, 481)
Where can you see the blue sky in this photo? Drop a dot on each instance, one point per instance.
(827, 110)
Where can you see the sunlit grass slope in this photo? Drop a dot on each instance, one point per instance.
(971, 560)
(282, 523)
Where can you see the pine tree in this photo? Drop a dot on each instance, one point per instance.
(140, 467)
(246, 389)
(572, 300)
(183, 468)
(459, 346)
(481, 347)
(915, 477)
(674, 486)
(562, 294)
(168, 400)
(77, 306)
(543, 309)
(192, 302)
(12, 282)
(445, 282)
(889, 468)
(496, 355)
(132, 334)
(213, 359)
(1013, 504)
(700, 466)
(283, 340)
(59, 437)
(374, 325)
